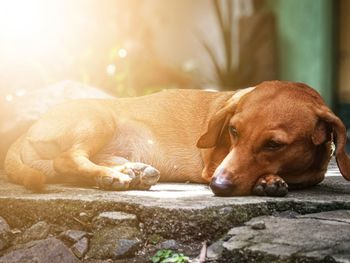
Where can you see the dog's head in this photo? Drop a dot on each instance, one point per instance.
(278, 128)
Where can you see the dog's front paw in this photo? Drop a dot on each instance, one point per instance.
(129, 176)
(113, 180)
(143, 175)
(270, 185)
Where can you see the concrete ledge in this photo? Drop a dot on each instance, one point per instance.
(169, 209)
(188, 213)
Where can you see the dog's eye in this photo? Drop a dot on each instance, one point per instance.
(272, 145)
(233, 131)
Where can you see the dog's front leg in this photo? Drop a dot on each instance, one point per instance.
(76, 163)
(113, 174)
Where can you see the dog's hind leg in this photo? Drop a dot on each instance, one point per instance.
(17, 169)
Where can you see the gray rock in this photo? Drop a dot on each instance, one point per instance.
(115, 219)
(258, 225)
(312, 238)
(5, 234)
(114, 242)
(4, 227)
(338, 215)
(37, 231)
(125, 248)
(73, 236)
(168, 244)
(214, 251)
(49, 250)
(81, 247)
(287, 214)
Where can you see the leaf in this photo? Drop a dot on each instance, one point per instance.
(155, 259)
(169, 256)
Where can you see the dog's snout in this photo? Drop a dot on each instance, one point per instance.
(220, 185)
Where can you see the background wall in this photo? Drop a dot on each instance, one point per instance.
(344, 52)
(306, 43)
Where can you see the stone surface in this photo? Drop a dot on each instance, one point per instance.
(114, 242)
(81, 247)
(4, 227)
(338, 215)
(73, 236)
(321, 237)
(214, 251)
(258, 225)
(187, 213)
(5, 234)
(37, 231)
(172, 210)
(48, 250)
(115, 218)
(168, 244)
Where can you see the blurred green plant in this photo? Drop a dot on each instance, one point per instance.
(132, 74)
(155, 239)
(169, 256)
(228, 76)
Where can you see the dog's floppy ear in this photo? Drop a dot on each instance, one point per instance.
(217, 122)
(339, 132)
(322, 132)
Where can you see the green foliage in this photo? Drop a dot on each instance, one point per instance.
(228, 76)
(154, 239)
(169, 256)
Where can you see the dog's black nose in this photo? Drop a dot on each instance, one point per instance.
(221, 186)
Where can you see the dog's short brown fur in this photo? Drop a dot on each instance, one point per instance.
(255, 140)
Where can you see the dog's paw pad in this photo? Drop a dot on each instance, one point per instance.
(270, 186)
(143, 175)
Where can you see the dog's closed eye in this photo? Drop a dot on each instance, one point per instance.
(272, 145)
(233, 131)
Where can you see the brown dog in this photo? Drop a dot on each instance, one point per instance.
(255, 140)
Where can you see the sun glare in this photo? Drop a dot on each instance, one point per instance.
(29, 26)
(20, 20)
